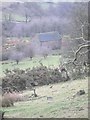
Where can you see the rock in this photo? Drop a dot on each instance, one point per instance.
(41, 115)
(81, 92)
(51, 86)
(80, 109)
(50, 99)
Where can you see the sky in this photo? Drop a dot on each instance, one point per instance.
(44, 1)
(61, 0)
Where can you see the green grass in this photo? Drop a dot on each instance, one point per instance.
(62, 105)
(15, 17)
(27, 63)
(18, 17)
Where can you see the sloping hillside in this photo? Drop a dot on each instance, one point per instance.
(56, 101)
(17, 10)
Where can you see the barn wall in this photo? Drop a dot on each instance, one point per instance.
(35, 42)
(51, 44)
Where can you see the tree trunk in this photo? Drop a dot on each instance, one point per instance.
(30, 58)
(17, 62)
(35, 95)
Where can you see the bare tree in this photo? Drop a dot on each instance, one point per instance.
(17, 56)
(80, 65)
(45, 51)
(81, 50)
(29, 51)
(79, 16)
(81, 21)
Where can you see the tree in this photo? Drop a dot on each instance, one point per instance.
(79, 17)
(17, 56)
(81, 21)
(7, 28)
(45, 51)
(29, 51)
(31, 9)
(19, 47)
(78, 65)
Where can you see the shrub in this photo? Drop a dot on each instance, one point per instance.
(17, 56)
(5, 56)
(7, 100)
(20, 80)
(0, 100)
(15, 96)
(14, 81)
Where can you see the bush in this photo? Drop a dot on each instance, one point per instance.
(4, 56)
(78, 72)
(20, 80)
(0, 100)
(7, 100)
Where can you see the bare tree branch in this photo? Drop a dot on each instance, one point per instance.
(77, 52)
(82, 34)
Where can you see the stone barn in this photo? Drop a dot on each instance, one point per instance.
(51, 40)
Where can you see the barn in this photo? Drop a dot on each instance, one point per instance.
(48, 39)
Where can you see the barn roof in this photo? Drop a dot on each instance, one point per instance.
(49, 36)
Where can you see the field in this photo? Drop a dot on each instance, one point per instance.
(27, 63)
(55, 102)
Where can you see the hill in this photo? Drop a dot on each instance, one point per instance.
(17, 10)
(55, 102)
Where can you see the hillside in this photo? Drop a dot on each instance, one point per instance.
(25, 19)
(43, 75)
(36, 10)
(55, 102)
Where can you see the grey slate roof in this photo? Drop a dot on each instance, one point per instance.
(49, 36)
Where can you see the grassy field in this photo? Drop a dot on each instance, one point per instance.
(27, 63)
(62, 104)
